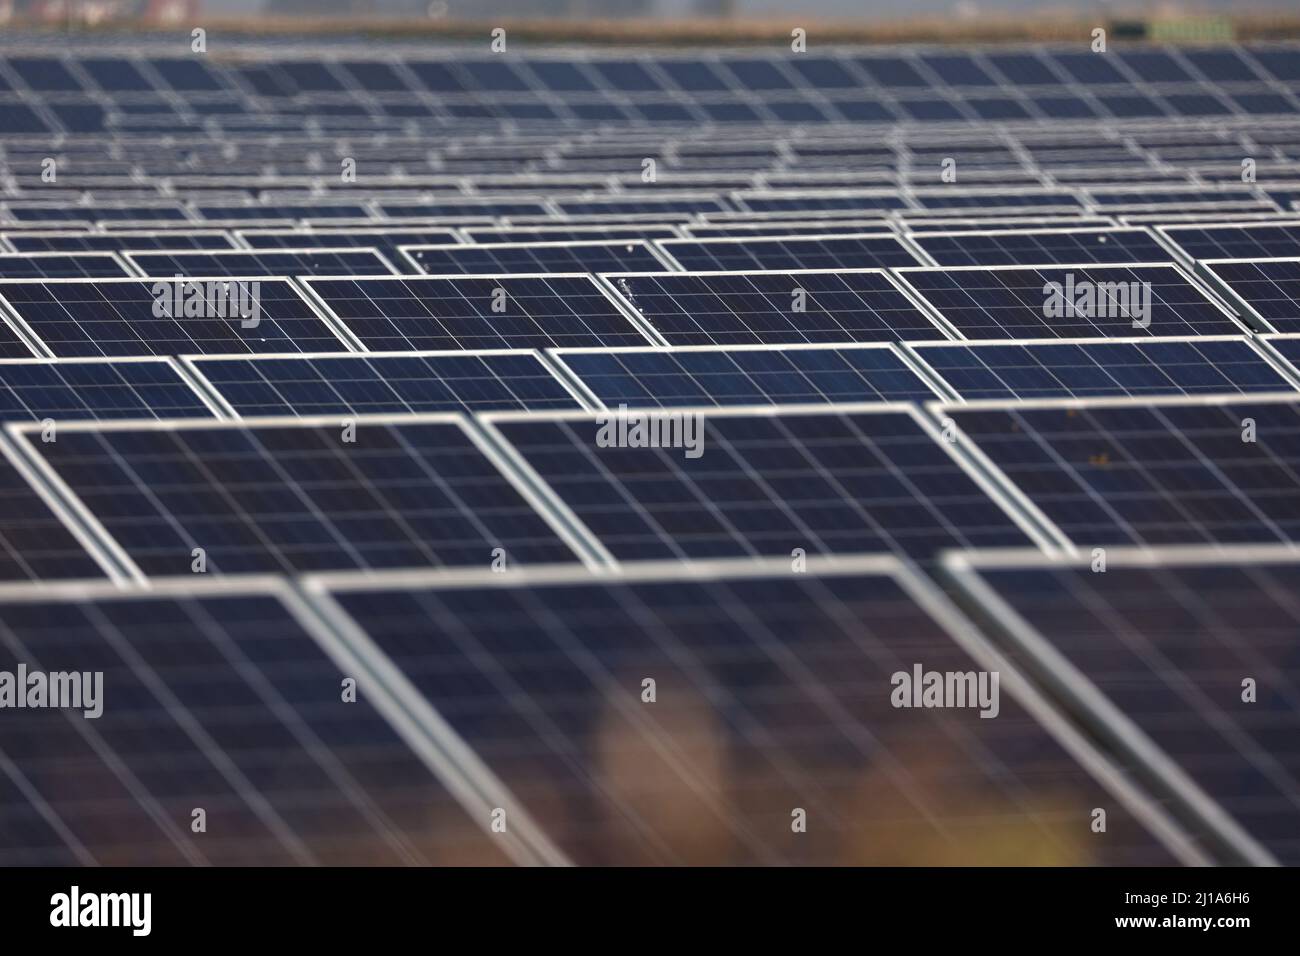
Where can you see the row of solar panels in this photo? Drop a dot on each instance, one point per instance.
(521, 380)
(1205, 234)
(523, 734)
(803, 246)
(388, 164)
(88, 93)
(529, 709)
(133, 499)
(71, 318)
(668, 205)
(699, 149)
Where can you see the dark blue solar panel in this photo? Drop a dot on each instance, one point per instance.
(555, 311)
(262, 262)
(1070, 302)
(386, 241)
(60, 266)
(385, 384)
(115, 318)
(810, 201)
(44, 74)
(1165, 649)
(1158, 473)
(958, 70)
(118, 241)
(890, 71)
(187, 75)
(1043, 246)
(35, 545)
(654, 377)
(63, 390)
(1091, 369)
(453, 208)
(294, 498)
(640, 205)
(628, 255)
(537, 683)
(834, 252)
(568, 233)
(761, 486)
(1270, 287)
(221, 701)
(774, 308)
(44, 213)
(1244, 241)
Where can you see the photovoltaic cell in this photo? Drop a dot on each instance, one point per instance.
(1042, 247)
(764, 485)
(745, 376)
(267, 262)
(60, 266)
(1091, 369)
(790, 252)
(1013, 302)
(1161, 472)
(116, 318)
(552, 311)
(626, 255)
(763, 308)
(68, 389)
(536, 680)
(385, 384)
(298, 497)
(1162, 640)
(213, 699)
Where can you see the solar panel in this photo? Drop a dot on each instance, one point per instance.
(60, 390)
(1156, 652)
(1089, 368)
(161, 213)
(298, 495)
(118, 241)
(1041, 246)
(477, 312)
(761, 484)
(55, 265)
(1075, 301)
(851, 251)
(911, 222)
(1267, 289)
(774, 308)
(118, 317)
(782, 227)
(1217, 470)
(215, 698)
(624, 255)
(805, 202)
(1256, 240)
(392, 383)
(269, 262)
(717, 775)
(745, 375)
(385, 241)
(568, 233)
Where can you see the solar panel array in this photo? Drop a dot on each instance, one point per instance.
(623, 424)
